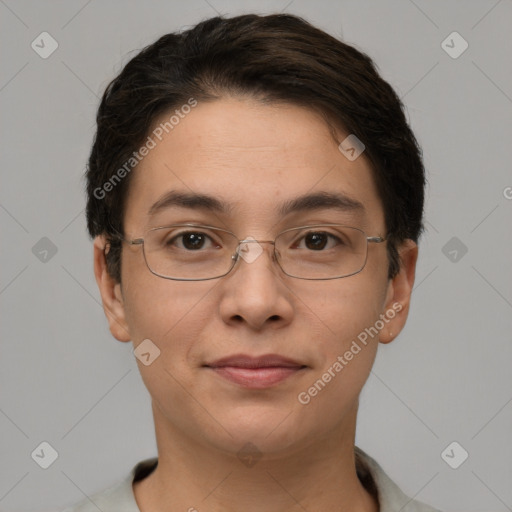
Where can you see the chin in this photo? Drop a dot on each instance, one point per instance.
(271, 432)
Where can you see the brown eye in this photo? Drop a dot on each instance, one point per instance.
(318, 241)
(193, 240)
(190, 241)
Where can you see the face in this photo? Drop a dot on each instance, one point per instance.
(255, 158)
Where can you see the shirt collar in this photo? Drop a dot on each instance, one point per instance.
(372, 476)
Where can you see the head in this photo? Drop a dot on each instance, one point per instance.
(251, 111)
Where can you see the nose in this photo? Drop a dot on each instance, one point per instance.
(254, 292)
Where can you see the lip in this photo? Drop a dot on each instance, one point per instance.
(252, 362)
(256, 372)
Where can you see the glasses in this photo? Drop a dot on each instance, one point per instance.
(193, 252)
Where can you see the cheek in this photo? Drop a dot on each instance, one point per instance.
(173, 316)
(341, 310)
(346, 351)
(158, 308)
(343, 319)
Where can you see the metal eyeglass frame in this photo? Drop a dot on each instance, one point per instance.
(236, 256)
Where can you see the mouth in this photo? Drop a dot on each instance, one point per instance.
(256, 372)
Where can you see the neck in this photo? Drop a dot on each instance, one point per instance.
(320, 475)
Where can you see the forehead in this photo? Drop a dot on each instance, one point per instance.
(255, 158)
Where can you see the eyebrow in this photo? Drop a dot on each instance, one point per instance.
(307, 202)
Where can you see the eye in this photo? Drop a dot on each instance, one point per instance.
(318, 240)
(191, 241)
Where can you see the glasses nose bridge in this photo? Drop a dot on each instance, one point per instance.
(239, 247)
(252, 241)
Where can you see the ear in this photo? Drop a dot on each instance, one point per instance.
(398, 298)
(111, 293)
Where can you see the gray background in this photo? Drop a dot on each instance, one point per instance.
(66, 381)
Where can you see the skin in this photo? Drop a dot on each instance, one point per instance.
(253, 156)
